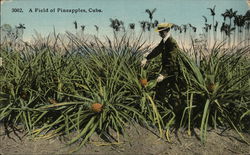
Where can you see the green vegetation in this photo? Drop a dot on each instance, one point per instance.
(95, 86)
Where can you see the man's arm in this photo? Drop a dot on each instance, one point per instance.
(156, 51)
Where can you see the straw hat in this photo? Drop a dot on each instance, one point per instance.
(163, 26)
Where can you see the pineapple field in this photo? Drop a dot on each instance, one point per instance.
(88, 90)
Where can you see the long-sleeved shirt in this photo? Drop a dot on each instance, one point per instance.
(169, 50)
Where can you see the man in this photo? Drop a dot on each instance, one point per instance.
(168, 79)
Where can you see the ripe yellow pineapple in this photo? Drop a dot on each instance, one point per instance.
(143, 82)
(96, 107)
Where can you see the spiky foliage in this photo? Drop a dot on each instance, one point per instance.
(218, 89)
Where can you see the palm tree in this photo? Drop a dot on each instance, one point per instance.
(224, 15)
(230, 14)
(240, 21)
(156, 23)
(194, 29)
(209, 26)
(180, 32)
(175, 28)
(215, 26)
(132, 26)
(190, 25)
(247, 15)
(228, 31)
(205, 18)
(82, 28)
(148, 26)
(122, 25)
(97, 30)
(21, 26)
(143, 25)
(115, 24)
(247, 32)
(20, 30)
(222, 30)
(75, 23)
(185, 28)
(212, 12)
(247, 18)
(215, 30)
(150, 13)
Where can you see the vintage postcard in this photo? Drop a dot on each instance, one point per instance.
(124, 77)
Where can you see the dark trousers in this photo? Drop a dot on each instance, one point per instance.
(168, 92)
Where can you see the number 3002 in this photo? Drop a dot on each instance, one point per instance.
(17, 10)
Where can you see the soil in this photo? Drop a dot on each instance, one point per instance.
(137, 140)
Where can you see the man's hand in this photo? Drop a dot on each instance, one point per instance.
(143, 62)
(160, 78)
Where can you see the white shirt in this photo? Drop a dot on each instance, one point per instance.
(166, 38)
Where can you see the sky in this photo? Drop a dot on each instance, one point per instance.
(130, 11)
